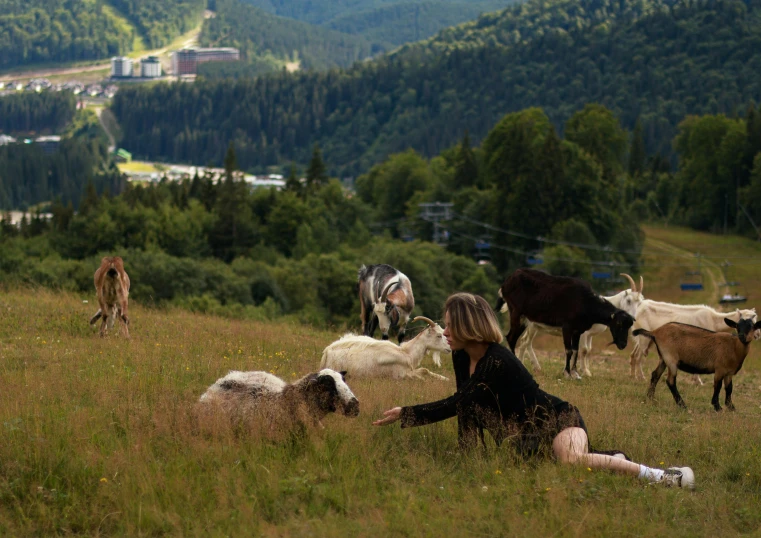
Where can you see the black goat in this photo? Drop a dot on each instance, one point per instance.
(559, 301)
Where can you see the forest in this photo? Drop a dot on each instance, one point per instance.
(697, 58)
(41, 31)
(159, 21)
(261, 35)
(48, 31)
(32, 113)
(30, 177)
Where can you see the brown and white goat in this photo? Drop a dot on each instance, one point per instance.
(362, 356)
(385, 298)
(112, 288)
(303, 402)
(700, 351)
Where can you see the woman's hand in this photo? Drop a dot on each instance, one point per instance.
(392, 415)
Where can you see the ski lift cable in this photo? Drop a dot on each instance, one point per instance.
(458, 216)
(586, 262)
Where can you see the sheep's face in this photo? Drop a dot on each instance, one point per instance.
(331, 393)
(620, 323)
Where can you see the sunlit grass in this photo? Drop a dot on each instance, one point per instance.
(137, 166)
(101, 437)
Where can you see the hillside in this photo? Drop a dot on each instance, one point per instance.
(388, 22)
(694, 59)
(103, 436)
(57, 31)
(267, 41)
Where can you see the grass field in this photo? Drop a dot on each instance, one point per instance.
(102, 437)
(137, 166)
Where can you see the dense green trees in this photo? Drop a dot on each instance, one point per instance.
(267, 41)
(696, 58)
(382, 22)
(27, 112)
(42, 31)
(28, 176)
(159, 21)
(717, 179)
(54, 31)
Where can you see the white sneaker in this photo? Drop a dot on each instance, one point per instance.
(680, 477)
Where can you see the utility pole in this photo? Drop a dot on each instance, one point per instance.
(437, 212)
(750, 219)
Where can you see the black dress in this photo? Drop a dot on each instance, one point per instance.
(501, 397)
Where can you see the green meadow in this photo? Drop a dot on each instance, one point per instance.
(102, 437)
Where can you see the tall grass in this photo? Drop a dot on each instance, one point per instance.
(101, 437)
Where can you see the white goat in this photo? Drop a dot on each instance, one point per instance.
(363, 356)
(305, 401)
(653, 314)
(627, 300)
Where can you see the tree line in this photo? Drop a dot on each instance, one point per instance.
(213, 244)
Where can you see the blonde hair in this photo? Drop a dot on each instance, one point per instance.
(472, 319)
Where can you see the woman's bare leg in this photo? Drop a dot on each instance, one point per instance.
(572, 446)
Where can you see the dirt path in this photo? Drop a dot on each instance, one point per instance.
(111, 139)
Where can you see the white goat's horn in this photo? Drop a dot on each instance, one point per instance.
(631, 281)
(641, 283)
(428, 321)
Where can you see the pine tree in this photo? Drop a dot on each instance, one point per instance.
(235, 229)
(317, 174)
(292, 184)
(637, 154)
(90, 199)
(466, 167)
(231, 162)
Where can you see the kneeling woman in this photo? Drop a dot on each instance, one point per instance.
(496, 393)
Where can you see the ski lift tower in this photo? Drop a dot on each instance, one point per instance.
(437, 212)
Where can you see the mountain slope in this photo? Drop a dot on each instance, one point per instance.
(403, 22)
(660, 64)
(262, 36)
(54, 31)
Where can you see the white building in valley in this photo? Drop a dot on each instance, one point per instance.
(121, 67)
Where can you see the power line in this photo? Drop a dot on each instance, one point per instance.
(584, 246)
(587, 262)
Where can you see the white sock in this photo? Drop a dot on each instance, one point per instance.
(650, 474)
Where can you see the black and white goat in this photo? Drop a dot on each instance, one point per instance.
(306, 401)
(699, 351)
(559, 301)
(385, 298)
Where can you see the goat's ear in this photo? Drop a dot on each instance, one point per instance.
(757, 325)
(730, 323)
